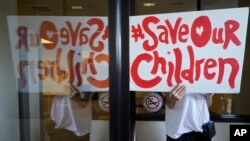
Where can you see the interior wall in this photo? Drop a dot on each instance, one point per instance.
(9, 120)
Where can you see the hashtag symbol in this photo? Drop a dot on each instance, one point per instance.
(137, 32)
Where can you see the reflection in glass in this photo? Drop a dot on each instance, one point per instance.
(60, 58)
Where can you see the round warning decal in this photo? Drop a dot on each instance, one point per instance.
(103, 102)
(152, 102)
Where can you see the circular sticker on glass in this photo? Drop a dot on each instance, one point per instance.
(103, 102)
(152, 102)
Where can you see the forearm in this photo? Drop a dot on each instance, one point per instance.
(209, 99)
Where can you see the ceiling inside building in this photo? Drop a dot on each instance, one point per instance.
(100, 7)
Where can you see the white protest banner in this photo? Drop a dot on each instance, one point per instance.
(203, 50)
(52, 52)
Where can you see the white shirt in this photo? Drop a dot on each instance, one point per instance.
(67, 114)
(188, 115)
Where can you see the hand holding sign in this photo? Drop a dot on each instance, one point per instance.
(177, 94)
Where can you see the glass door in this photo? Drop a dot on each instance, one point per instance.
(58, 70)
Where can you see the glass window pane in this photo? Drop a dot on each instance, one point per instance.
(56, 53)
(143, 7)
(234, 104)
(223, 104)
(153, 121)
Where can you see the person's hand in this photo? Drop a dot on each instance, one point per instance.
(178, 92)
(71, 90)
(173, 97)
(209, 95)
